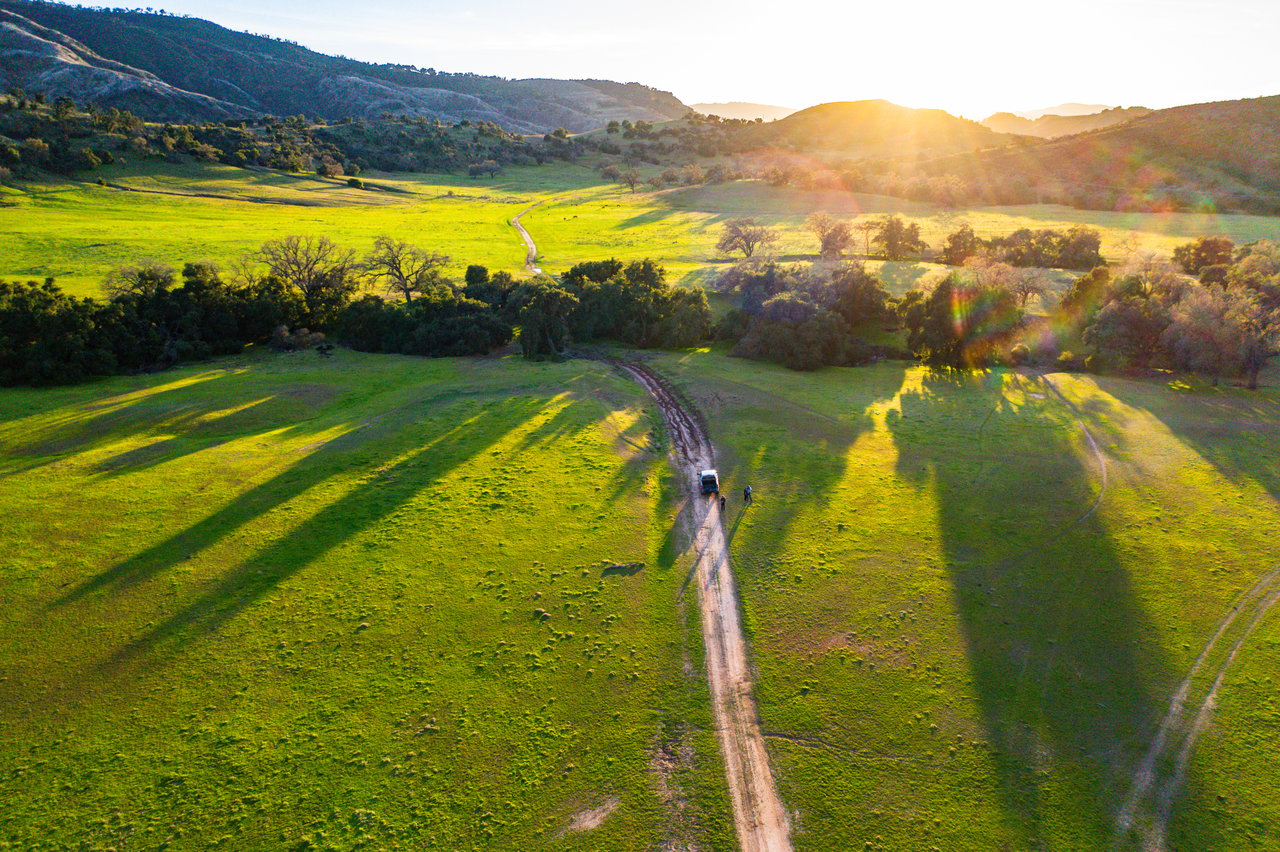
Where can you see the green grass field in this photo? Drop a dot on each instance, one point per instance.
(77, 231)
(282, 602)
(954, 652)
(367, 602)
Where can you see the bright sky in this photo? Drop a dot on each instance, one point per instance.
(971, 58)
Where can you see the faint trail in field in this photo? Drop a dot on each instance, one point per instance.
(760, 818)
(531, 256)
(1151, 795)
(1149, 805)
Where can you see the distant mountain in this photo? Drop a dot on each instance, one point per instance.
(1053, 126)
(1223, 155)
(876, 129)
(1064, 109)
(175, 68)
(747, 111)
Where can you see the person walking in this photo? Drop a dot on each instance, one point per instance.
(746, 494)
(722, 502)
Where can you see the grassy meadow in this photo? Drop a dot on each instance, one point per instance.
(279, 601)
(76, 231)
(964, 641)
(286, 602)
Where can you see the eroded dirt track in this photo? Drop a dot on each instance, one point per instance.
(760, 818)
(531, 250)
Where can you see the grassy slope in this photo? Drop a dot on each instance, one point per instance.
(278, 597)
(950, 656)
(76, 232)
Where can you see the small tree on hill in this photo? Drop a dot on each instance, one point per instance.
(960, 245)
(1196, 256)
(631, 177)
(139, 279)
(865, 229)
(898, 240)
(745, 235)
(406, 269)
(833, 235)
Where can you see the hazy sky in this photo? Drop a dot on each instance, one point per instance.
(973, 58)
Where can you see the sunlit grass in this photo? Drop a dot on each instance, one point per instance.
(953, 651)
(277, 599)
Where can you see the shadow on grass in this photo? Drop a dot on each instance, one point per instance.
(1064, 660)
(1237, 431)
(400, 477)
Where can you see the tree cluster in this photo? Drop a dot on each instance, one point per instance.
(802, 319)
(606, 299)
(1149, 314)
(1077, 248)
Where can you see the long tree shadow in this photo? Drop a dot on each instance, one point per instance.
(1238, 432)
(787, 451)
(176, 406)
(1065, 662)
(364, 506)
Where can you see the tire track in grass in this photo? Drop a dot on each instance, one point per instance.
(761, 820)
(1149, 806)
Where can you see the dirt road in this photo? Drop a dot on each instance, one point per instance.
(761, 820)
(531, 256)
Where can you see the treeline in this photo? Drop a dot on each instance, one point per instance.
(1147, 313)
(893, 238)
(65, 138)
(802, 318)
(302, 292)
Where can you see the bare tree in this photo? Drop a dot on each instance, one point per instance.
(990, 273)
(406, 269)
(320, 271)
(631, 177)
(833, 235)
(1027, 283)
(745, 235)
(138, 279)
(1151, 273)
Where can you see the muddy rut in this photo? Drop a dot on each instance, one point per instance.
(760, 818)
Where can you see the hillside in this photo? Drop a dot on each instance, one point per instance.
(876, 129)
(1220, 156)
(174, 68)
(1053, 126)
(745, 111)
(1068, 109)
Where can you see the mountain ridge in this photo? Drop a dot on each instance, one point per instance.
(168, 67)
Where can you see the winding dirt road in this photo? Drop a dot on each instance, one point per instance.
(531, 255)
(761, 819)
